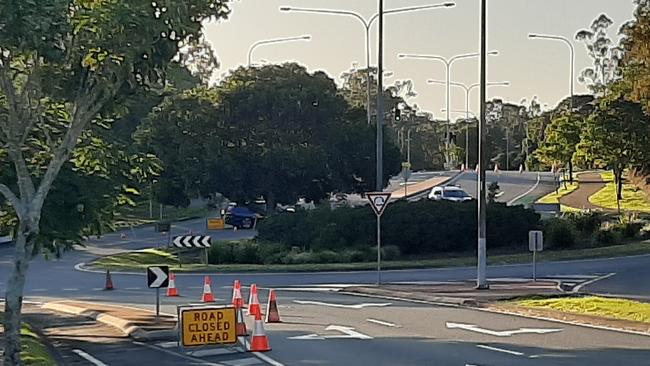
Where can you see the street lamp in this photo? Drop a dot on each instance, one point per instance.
(272, 41)
(448, 62)
(367, 24)
(572, 54)
(468, 89)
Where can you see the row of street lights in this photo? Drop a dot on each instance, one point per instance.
(448, 62)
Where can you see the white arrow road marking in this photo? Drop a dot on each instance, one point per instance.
(355, 306)
(348, 333)
(504, 333)
(89, 358)
(160, 276)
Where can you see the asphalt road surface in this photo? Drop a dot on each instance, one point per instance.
(327, 328)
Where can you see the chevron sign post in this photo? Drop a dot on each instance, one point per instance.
(192, 241)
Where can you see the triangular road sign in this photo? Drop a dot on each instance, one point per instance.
(378, 201)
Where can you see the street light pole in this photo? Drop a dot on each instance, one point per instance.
(367, 24)
(481, 270)
(448, 63)
(468, 90)
(272, 41)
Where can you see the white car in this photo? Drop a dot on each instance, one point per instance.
(449, 193)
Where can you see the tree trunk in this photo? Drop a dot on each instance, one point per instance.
(570, 171)
(14, 297)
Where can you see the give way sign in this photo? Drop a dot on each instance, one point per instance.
(378, 201)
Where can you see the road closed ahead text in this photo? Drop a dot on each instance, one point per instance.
(203, 327)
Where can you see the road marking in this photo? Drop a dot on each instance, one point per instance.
(539, 177)
(381, 322)
(580, 286)
(211, 352)
(267, 359)
(98, 288)
(243, 362)
(89, 358)
(133, 288)
(70, 289)
(355, 306)
(39, 290)
(195, 361)
(348, 333)
(499, 350)
(504, 333)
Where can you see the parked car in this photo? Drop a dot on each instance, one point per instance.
(449, 193)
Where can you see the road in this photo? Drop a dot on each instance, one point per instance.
(419, 334)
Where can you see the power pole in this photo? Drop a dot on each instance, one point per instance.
(481, 276)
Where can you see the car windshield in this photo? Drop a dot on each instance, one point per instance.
(456, 193)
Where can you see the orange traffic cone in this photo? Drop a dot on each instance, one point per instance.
(207, 290)
(237, 299)
(109, 281)
(260, 342)
(241, 324)
(254, 302)
(272, 313)
(172, 291)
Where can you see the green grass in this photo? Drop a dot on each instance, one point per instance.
(34, 352)
(139, 260)
(130, 216)
(634, 199)
(554, 197)
(596, 306)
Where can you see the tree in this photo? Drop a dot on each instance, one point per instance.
(636, 61)
(65, 66)
(275, 131)
(604, 53)
(559, 145)
(617, 135)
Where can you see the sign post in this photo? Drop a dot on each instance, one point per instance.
(157, 277)
(192, 241)
(535, 244)
(378, 202)
(406, 174)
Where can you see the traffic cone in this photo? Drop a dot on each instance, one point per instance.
(237, 299)
(476, 169)
(109, 281)
(496, 168)
(259, 342)
(521, 168)
(254, 302)
(123, 236)
(207, 290)
(272, 313)
(172, 291)
(241, 324)
(462, 167)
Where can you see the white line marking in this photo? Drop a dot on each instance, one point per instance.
(580, 286)
(243, 362)
(502, 333)
(89, 358)
(70, 289)
(355, 306)
(381, 322)
(195, 361)
(211, 352)
(133, 288)
(539, 177)
(267, 359)
(167, 344)
(499, 350)
(98, 288)
(39, 290)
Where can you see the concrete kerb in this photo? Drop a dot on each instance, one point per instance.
(125, 326)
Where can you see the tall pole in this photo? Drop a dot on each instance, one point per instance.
(481, 275)
(380, 131)
(368, 75)
(272, 41)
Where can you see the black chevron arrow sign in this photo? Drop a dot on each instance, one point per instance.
(192, 241)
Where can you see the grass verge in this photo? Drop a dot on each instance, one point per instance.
(139, 260)
(634, 199)
(34, 352)
(130, 216)
(554, 197)
(594, 306)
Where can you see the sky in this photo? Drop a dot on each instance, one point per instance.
(533, 67)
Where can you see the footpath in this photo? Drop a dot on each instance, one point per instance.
(590, 184)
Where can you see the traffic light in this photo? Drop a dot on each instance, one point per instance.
(398, 113)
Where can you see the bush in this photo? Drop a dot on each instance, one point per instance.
(391, 252)
(608, 237)
(414, 228)
(559, 234)
(586, 223)
(628, 229)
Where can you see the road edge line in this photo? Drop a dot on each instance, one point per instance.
(86, 356)
(577, 289)
(267, 359)
(512, 201)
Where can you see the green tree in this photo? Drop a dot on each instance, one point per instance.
(65, 66)
(617, 136)
(560, 141)
(275, 131)
(604, 53)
